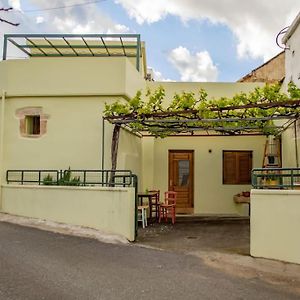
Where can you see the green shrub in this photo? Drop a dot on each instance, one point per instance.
(48, 180)
(67, 179)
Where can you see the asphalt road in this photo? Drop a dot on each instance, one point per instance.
(37, 264)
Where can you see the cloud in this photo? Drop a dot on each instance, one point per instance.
(79, 19)
(254, 23)
(157, 76)
(39, 19)
(82, 19)
(15, 4)
(193, 67)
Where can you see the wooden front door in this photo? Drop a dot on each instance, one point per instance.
(181, 178)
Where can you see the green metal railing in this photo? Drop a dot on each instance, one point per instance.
(275, 178)
(123, 178)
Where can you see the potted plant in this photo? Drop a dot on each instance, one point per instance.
(272, 179)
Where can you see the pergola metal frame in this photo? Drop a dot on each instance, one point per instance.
(58, 43)
(182, 123)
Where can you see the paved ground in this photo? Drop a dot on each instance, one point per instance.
(222, 243)
(37, 264)
(227, 235)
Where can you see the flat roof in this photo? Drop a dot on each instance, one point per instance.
(75, 45)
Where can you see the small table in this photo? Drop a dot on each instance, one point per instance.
(149, 196)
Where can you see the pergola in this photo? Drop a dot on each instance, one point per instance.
(75, 45)
(192, 123)
(231, 121)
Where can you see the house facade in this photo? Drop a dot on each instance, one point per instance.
(291, 137)
(51, 118)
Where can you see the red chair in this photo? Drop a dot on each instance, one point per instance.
(169, 207)
(154, 204)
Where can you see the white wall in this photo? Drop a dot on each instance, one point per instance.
(292, 58)
(292, 73)
(275, 223)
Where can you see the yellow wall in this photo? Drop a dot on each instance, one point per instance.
(289, 147)
(214, 89)
(274, 225)
(210, 195)
(73, 138)
(72, 91)
(70, 76)
(107, 209)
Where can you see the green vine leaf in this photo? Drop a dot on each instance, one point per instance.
(209, 114)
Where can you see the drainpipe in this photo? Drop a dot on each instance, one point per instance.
(296, 143)
(2, 144)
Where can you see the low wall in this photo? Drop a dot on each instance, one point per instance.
(274, 224)
(111, 210)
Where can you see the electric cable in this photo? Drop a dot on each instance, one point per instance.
(62, 7)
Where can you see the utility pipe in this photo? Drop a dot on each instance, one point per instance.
(296, 143)
(2, 122)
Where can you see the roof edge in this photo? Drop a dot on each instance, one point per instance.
(262, 65)
(291, 29)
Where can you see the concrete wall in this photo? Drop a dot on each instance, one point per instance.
(211, 196)
(70, 76)
(275, 220)
(108, 209)
(72, 93)
(214, 89)
(292, 70)
(290, 146)
(73, 137)
(292, 58)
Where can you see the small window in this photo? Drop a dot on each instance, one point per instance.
(237, 166)
(32, 125)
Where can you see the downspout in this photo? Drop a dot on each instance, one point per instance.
(103, 144)
(2, 144)
(296, 143)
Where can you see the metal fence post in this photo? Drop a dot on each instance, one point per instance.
(135, 185)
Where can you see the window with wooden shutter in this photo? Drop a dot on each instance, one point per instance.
(237, 167)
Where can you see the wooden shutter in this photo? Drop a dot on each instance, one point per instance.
(36, 125)
(237, 167)
(245, 166)
(229, 167)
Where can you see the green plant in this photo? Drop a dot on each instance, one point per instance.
(67, 179)
(48, 180)
(253, 110)
(75, 181)
(271, 178)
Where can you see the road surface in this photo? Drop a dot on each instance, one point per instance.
(36, 264)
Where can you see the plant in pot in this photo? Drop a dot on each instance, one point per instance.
(272, 179)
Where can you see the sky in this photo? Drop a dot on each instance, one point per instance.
(190, 40)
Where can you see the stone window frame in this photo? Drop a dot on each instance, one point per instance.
(28, 111)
